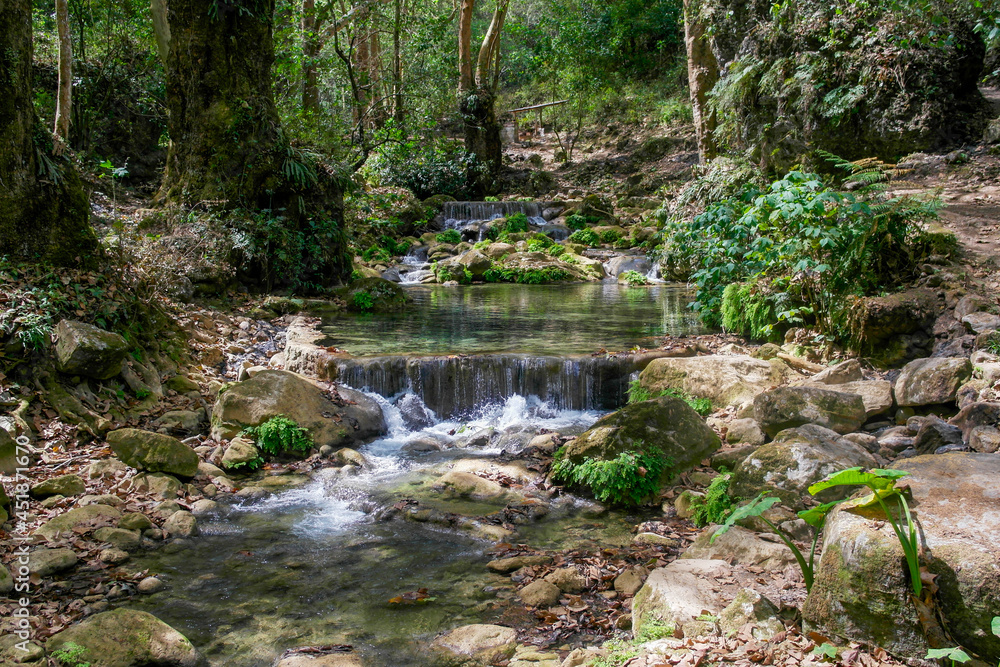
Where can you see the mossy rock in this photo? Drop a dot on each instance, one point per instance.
(788, 407)
(375, 295)
(153, 452)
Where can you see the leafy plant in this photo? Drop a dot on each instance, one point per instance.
(280, 435)
(627, 479)
(993, 343)
(637, 393)
(610, 236)
(556, 250)
(518, 222)
(363, 300)
(252, 464)
(716, 505)
(634, 278)
(587, 237)
(71, 655)
(526, 276)
(451, 236)
(576, 222)
(954, 654)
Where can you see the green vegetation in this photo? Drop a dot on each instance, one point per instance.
(451, 236)
(628, 479)
(587, 237)
(526, 276)
(993, 343)
(634, 278)
(716, 506)
(71, 655)
(610, 236)
(620, 651)
(280, 435)
(576, 222)
(637, 393)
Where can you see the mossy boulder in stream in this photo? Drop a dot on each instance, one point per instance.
(665, 427)
(375, 295)
(153, 452)
(862, 593)
(128, 638)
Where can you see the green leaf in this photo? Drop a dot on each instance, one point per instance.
(874, 479)
(816, 516)
(826, 650)
(755, 507)
(996, 625)
(954, 653)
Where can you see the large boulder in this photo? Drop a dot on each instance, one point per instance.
(475, 645)
(740, 546)
(79, 520)
(83, 349)
(128, 638)
(797, 458)
(337, 418)
(64, 485)
(153, 452)
(861, 590)
(679, 593)
(931, 381)
(788, 407)
(725, 380)
(474, 261)
(665, 425)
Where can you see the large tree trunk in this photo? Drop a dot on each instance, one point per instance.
(225, 138)
(703, 74)
(477, 101)
(43, 208)
(65, 96)
(310, 55)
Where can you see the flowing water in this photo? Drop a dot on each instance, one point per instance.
(318, 562)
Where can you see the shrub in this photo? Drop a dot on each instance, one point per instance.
(576, 222)
(517, 222)
(610, 236)
(556, 250)
(376, 254)
(716, 506)
(627, 479)
(540, 244)
(451, 236)
(526, 276)
(634, 278)
(587, 237)
(436, 167)
(280, 435)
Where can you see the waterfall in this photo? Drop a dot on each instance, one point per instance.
(455, 385)
(462, 215)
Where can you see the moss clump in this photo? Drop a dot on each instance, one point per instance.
(452, 237)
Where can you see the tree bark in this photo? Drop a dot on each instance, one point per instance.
(310, 54)
(703, 74)
(477, 103)
(64, 100)
(397, 65)
(489, 51)
(44, 213)
(465, 72)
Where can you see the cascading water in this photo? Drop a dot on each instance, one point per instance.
(468, 217)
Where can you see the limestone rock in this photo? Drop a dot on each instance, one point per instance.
(153, 452)
(128, 638)
(655, 539)
(467, 485)
(678, 593)
(508, 565)
(65, 485)
(976, 414)
(861, 591)
(46, 562)
(567, 579)
(184, 422)
(272, 393)
(797, 458)
(476, 262)
(846, 371)
(113, 556)
(985, 439)
(181, 524)
(726, 380)
(981, 322)
(127, 540)
(747, 431)
(665, 425)
(740, 546)
(749, 606)
(934, 433)
(150, 585)
(540, 593)
(630, 581)
(239, 453)
(158, 484)
(476, 644)
(75, 520)
(83, 349)
(875, 394)
(931, 381)
(789, 407)
(106, 469)
(337, 659)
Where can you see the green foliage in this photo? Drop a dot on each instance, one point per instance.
(526, 276)
(251, 465)
(637, 393)
(518, 222)
(825, 650)
(363, 300)
(628, 479)
(376, 254)
(992, 344)
(71, 655)
(954, 654)
(761, 309)
(610, 236)
(654, 629)
(716, 506)
(280, 435)
(576, 222)
(587, 237)
(556, 250)
(618, 653)
(451, 236)
(633, 278)
(821, 244)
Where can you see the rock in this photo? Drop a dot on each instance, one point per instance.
(508, 565)
(981, 322)
(532, 656)
(678, 594)
(985, 439)
(467, 485)
(665, 425)
(931, 381)
(787, 407)
(127, 540)
(422, 446)
(976, 414)
(150, 585)
(158, 484)
(83, 349)
(476, 644)
(731, 457)
(181, 524)
(540, 593)
(797, 458)
(861, 590)
(153, 452)
(935, 433)
(749, 606)
(350, 457)
(474, 261)
(239, 454)
(8, 453)
(630, 581)
(655, 539)
(740, 546)
(337, 659)
(747, 431)
(128, 638)
(865, 440)
(46, 562)
(113, 556)
(105, 499)
(970, 303)
(846, 371)
(6, 580)
(65, 485)
(106, 469)
(272, 393)
(186, 422)
(204, 506)
(77, 520)
(207, 471)
(875, 394)
(499, 250)
(567, 580)
(135, 521)
(725, 380)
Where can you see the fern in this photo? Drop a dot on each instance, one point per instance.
(627, 479)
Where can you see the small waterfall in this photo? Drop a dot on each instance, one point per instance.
(462, 215)
(414, 267)
(456, 385)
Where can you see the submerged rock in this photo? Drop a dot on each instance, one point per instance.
(128, 638)
(478, 644)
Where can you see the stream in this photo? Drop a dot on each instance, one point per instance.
(317, 562)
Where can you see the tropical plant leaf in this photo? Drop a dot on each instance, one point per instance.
(874, 479)
(755, 507)
(954, 653)
(816, 516)
(996, 625)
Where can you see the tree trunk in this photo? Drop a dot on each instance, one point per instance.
(477, 104)
(44, 211)
(65, 96)
(490, 49)
(225, 136)
(703, 74)
(310, 54)
(397, 65)
(465, 71)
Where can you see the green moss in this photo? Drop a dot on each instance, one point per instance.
(586, 237)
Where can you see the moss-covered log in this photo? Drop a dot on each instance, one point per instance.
(43, 208)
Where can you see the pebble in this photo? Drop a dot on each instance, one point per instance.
(114, 556)
(150, 585)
